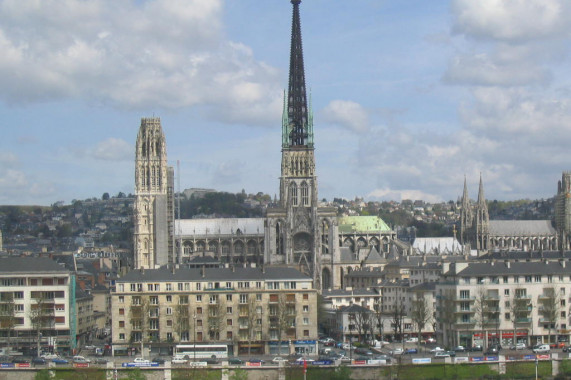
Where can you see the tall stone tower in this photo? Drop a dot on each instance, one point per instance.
(154, 203)
(563, 211)
(299, 233)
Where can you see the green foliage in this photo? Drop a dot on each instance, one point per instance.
(43, 374)
(197, 374)
(239, 374)
(134, 374)
(221, 204)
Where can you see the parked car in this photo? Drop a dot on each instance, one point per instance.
(492, 350)
(80, 359)
(396, 351)
(441, 354)
(411, 351)
(364, 351)
(519, 346)
(235, 361)
(253, 360)
(557, 345)
(411, 340)
(38, 361)
(100, 361)
(477, 347)
(459, 349)
(142, 361)
(49, 356)
(437, 349)
(430, 340)
(178, 360)
(158, 360)
(278, 359)
(212, 361)
(60, 361)
(567, 349)
(541, 349)
(20, 360)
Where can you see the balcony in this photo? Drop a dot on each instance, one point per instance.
(523, 320)
(466, 322)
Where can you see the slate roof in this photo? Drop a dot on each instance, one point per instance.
(521, 228)
(354, 309)
(524, 255)
(220, 226)
(441, 245)
(519, 268)
(30, 264)
(211, 274)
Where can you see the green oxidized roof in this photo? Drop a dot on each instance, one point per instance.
(348, 224)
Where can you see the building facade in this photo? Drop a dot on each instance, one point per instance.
(252, 310)
(483, 303)
(37, 303)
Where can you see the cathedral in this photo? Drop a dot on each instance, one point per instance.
(483, 235)
(296, 232)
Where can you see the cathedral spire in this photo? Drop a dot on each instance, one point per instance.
(297, 128)
(481, 197)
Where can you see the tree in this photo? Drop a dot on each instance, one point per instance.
(182, 319)
(283, 316)
(446, 315)
(550, 308)
(362, 320)
(486, 311)
(7, 314)
(378, 318)
(139, 313)
(105, 196)
(41, 314)
(398, 313)
(519, 307)
(421, 313)
(216, 317)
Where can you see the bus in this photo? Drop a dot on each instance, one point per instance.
(218, 351)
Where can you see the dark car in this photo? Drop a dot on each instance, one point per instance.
(60, 361)
(252, 360)
(212, 361)
(20, 361)
(38, 361)
(567, 349)
(411, 351)
(363, 351)
(477, 348)
(158, 360)
(235, 361)
(100, 361)
(493, 350)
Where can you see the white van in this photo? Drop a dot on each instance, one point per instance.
(541, 349)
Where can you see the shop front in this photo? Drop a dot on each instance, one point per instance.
(305, 347)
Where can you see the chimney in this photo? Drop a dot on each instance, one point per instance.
(508, 264)
(263, 268)
(203, 272)
(143, 270)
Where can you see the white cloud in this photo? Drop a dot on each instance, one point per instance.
(162, 53)
(347, 114)
(113, 149)
(511, 20)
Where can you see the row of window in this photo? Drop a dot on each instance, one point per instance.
(515, 279)
(198, 337)
(212, 298)
(154, 312)
(198, 286)
(21, 281)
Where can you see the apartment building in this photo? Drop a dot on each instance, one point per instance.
(483, 303)
(37, 302)
(252, 310)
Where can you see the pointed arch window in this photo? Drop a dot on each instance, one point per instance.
(293, 193)
(304, 194)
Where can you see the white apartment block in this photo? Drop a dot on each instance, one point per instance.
(504, 302)
(36, 299)
(252, 310)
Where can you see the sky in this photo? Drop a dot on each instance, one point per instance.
(409, 97)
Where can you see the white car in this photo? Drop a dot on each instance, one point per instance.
(520, 346)
(347, 346)
(141, 360)
(49, 356)
(80, 359)
(396, 351)
(278, 359)
(437, 349)
(442, 354)
(178, 360)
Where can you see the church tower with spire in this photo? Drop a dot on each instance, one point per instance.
(466, 216)
(299, 233)
(154, 204)
(482, 220)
